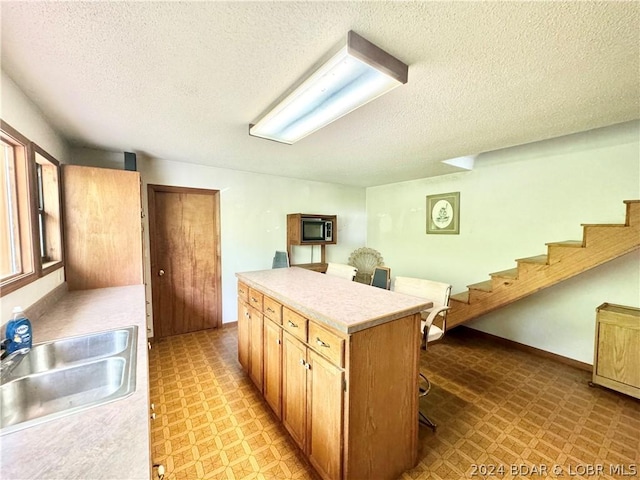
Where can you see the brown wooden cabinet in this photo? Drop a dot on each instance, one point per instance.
(102, 227)
(294, 388)
(312, 405)
(272, 385)
(243, 325)
(243, 333)
(325, 415)
(256, 345)
(295, 237)
(617, 349)
(250, 333)
(329, 388)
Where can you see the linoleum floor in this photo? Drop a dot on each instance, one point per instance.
(502, 413)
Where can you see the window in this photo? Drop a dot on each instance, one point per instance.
(30, 224)
(11, 259)
(48, 209)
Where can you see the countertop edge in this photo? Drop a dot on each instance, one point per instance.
(84, 444)
(326, 320)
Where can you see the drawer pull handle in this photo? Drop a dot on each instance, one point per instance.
(293, 325)
(254, 299)
(321, 343)
(269, 309)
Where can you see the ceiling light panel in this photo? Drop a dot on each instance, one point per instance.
(357, 74)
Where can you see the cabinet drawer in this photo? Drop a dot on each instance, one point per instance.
(327, 343)
(294, 323)
(272, 309)
(243, 292)
(255, 299)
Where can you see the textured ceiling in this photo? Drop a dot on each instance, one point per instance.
(182, 81)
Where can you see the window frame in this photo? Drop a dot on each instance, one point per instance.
(27, 204)
(44, 268)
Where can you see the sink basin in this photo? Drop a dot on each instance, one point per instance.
(67, 351)
(68, 376)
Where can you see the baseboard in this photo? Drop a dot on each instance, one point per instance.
(527, 348)
(229, 324)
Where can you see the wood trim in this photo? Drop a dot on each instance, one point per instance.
(31, 270)
(172, 189)
(526, 348)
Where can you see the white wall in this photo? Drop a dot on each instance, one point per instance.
(512, 203)
(253, 211)
(19, 112)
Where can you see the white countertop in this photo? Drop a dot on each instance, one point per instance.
(342, 304)
(110, 441)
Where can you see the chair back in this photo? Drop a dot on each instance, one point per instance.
(381, 277)
(436, 292)
(341, 270)
(280, 260)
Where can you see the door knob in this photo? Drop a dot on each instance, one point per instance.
(161, 273)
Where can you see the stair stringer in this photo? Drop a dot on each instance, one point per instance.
(600, 244)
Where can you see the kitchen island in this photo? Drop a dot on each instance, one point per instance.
(337, 361)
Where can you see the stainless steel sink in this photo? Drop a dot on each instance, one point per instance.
(67, 351)
(59, 378)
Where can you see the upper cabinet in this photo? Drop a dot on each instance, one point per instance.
(308, 229)
(102, 227)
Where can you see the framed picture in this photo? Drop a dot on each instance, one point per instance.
(443, 213)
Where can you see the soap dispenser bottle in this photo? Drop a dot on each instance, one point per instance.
(18, 331)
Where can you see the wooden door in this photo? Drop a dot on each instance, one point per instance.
(102, 227)
(294, 388)
(325, 416)
(243, 334)
(184, 232)
(273, 365)
(256, 326)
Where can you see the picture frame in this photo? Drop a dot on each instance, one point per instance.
(443, 214)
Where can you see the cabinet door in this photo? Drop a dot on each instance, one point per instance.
(256, 326)
(325, 416)
(273, 366)
(243, 334)
(102, 227)
(294, 388)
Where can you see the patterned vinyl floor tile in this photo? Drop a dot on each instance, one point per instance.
(501, 414)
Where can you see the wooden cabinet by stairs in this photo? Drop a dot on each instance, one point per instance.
(600, 243)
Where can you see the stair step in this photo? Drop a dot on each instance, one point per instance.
(486, 286)
(462, 297)
(512, 273)
(567, 243)
(601, 243)
(602, 225)
(538, 259)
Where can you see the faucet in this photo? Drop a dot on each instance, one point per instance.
(9, 361)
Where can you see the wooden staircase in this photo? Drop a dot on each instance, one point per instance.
(599, 244)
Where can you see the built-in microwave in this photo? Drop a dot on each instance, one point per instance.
(316, 230)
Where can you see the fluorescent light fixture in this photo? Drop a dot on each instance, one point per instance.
(357, 74)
